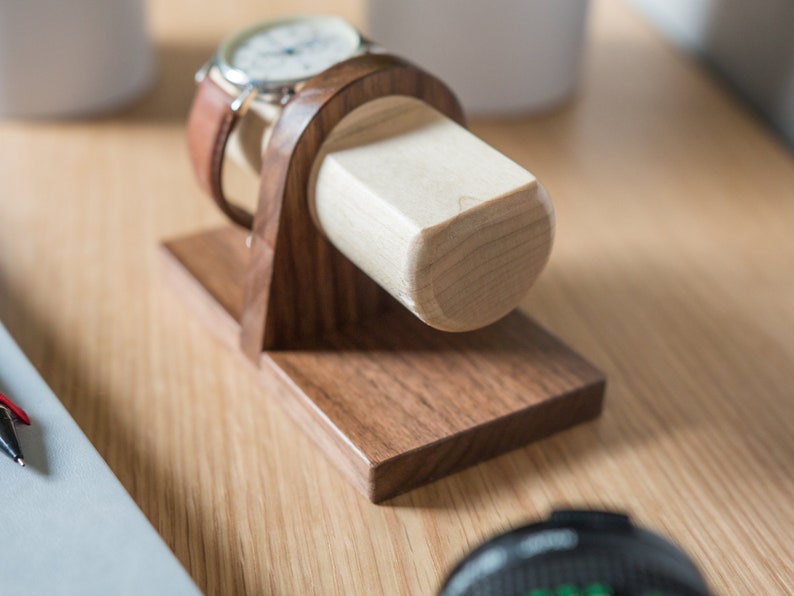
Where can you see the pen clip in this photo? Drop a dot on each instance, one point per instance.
(15, 409)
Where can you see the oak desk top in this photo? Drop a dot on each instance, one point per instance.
(672, 271)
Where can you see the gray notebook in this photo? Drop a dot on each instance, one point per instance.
(67, 526)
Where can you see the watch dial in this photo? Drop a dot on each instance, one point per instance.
(293, 50)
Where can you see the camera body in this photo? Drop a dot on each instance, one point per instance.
(577, 553)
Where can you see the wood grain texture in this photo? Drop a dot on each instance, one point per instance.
(391, 402)
(406, 404)
(219, 258)
(450, 227)
(298, 285)
(671, 271)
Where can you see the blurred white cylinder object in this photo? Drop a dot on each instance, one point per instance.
(72, 57)
(501, 57)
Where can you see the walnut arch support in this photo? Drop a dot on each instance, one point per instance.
(298, 285)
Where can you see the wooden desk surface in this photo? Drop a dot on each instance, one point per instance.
(672, 271)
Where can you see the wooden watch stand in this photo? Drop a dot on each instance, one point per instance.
(393, 402)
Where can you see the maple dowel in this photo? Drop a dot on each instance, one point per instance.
(453, 229)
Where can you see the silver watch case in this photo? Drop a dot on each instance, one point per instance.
(277, 92)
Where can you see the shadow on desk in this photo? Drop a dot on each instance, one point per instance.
(678, 396)
(139, 471)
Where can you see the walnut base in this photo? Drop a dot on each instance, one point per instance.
(394, 403)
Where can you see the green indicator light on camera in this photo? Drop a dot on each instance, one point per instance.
(598, 590)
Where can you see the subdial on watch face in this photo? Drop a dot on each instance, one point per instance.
(294, 50)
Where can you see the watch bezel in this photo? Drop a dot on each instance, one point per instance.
(239, 78)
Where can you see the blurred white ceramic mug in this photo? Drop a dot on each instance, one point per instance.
(72, 57)
(500, 57)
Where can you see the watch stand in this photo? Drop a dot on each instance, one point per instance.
(392, 402)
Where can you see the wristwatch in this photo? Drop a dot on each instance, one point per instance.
(269, 63)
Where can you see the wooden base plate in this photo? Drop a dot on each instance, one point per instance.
(392, 402)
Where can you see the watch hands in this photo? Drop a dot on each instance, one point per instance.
(291, 50)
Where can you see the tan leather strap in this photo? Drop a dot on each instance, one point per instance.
(210, 123)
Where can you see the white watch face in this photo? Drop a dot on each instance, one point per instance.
(287, 51)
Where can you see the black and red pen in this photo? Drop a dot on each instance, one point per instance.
(9, 414)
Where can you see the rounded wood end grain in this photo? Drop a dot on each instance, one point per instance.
(475, 268)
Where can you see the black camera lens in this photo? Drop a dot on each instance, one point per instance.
(577, 553)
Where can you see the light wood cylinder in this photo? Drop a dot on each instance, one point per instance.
(450, 227)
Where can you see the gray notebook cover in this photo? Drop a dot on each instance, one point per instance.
(67, 526)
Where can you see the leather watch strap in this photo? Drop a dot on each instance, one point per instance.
(210, 123)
